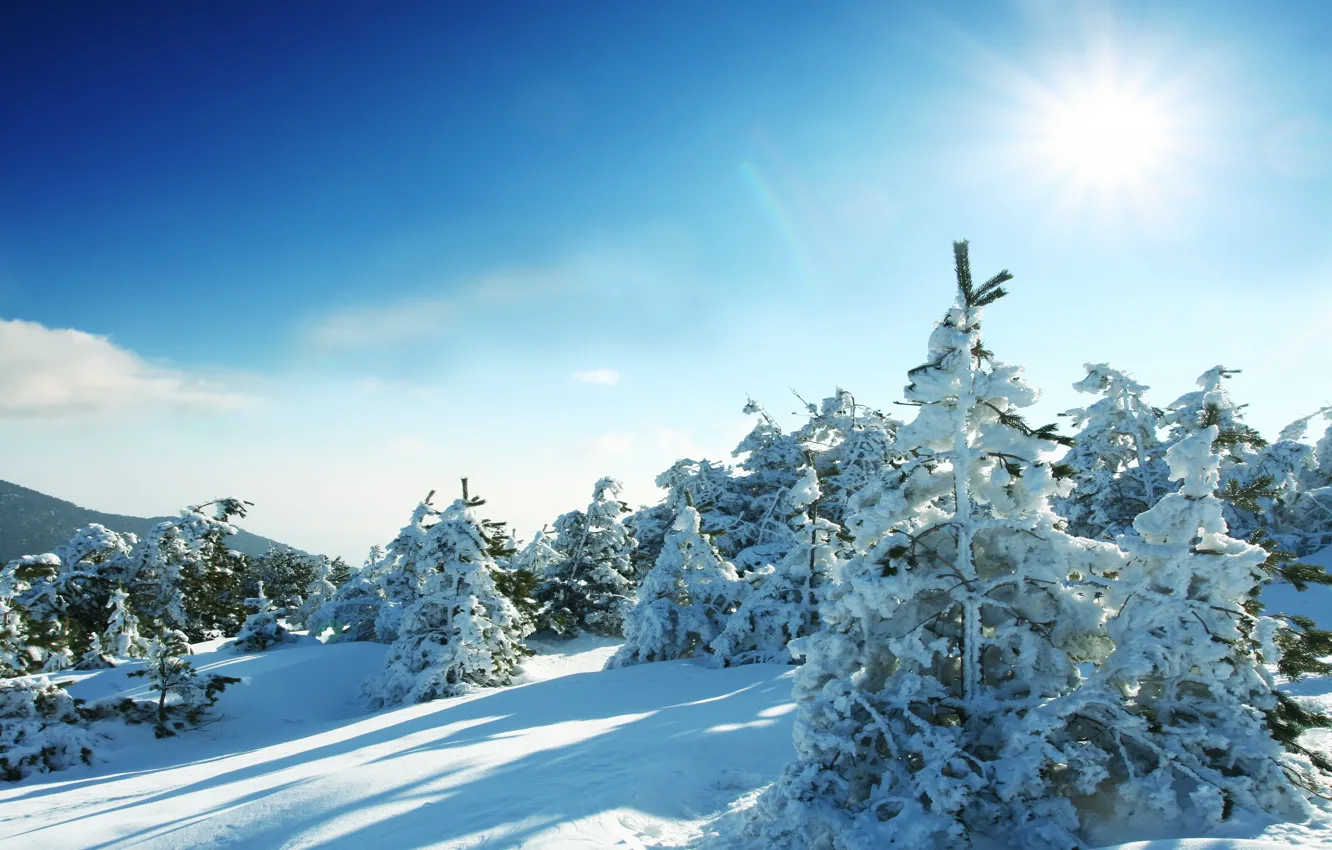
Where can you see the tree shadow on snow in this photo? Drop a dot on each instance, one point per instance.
(581, 767)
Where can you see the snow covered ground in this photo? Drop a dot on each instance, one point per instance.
(647, 756)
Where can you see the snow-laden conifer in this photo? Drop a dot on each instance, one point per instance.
(921, 703)
(318, 592)
(684, 602)
(262, 628)
(785, 605)
(591, 588)
(724, 507)
(38, 602)
(407, 567)
(351, 614)
(1116, 464)
(771, 461)
(461, 632)
(1198, 723)
(851, 443)
(180, 697)
(121, 638)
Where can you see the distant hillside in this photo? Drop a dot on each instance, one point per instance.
(32, 523)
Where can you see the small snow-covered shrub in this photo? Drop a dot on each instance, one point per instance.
(41, 729)
(184, 697)
(261, 629)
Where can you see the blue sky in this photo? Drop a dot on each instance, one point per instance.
(332, 255)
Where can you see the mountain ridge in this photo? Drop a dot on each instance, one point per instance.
(32, 522)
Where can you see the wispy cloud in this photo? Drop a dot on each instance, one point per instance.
(606, 377)
(60, 372)
(365, 327)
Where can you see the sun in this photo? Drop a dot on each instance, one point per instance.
(1106, 137)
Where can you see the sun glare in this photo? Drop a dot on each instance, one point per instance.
(1106, 138)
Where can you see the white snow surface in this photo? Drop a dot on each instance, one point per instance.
(653, 755)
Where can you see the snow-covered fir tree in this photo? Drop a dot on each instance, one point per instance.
(41, 729)
(95, 657)
(318, 592)
(851, 443)
(723, 506)
(648, 526)
(921, 719)
(262, 628)
(181, 698)
(785, 605)
(404, 570)
(285, 575)
(1196, 727)
(684, 601)
(183, 577)
(461, 632)
(1116, 464)
(591, 588)
(771, 461)
(351, 613)
(121, 638)
(38, 604)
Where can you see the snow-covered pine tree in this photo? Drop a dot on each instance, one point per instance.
(921, 703)
(95, 657)
(121, 638)
(461, 632)
(93, 563)
(515, 581)
(41, 729)
(648, 526)
(285, 575)
(591, 588)
(785, 605)
(404, 570)
(1201, 725)
(319, 591)
(37, 600)
(717, 494)
(339, 572)
(351, 614)
(183, 577)
(1116, 464)
(261, 629)
(184, 696)
(851, 443)
(684, 601)
(13, 637)
(771, 461)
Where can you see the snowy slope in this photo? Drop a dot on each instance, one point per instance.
(647, 756)
(573, 758)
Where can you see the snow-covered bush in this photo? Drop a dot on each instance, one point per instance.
(261, 629)
(684, 602)
(922, 717)
(183, 697)
(461, 632)
(41, 729)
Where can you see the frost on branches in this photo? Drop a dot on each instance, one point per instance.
(921, 719)
(684, 602)
(591, 588)
(785, 605)
(1117, 462)
(1193, 731)
(461, 631)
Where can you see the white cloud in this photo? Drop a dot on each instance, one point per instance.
(55, 372)
(606, 377)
